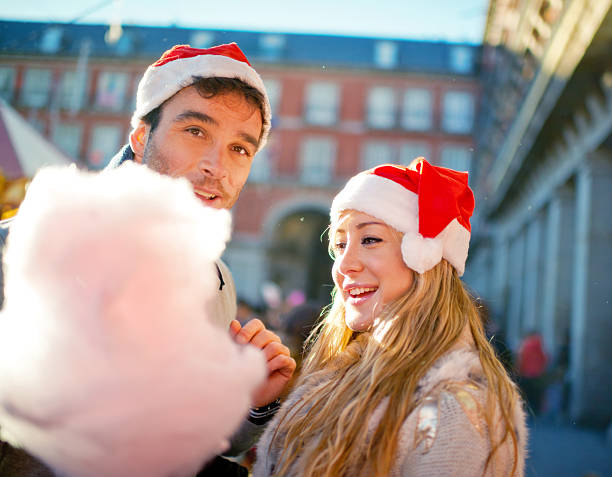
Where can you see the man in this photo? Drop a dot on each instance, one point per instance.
(203, 114)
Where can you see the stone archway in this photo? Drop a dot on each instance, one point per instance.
(297, 255)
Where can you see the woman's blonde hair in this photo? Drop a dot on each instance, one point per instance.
(326, 428)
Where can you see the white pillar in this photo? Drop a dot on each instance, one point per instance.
(557, 269)
(531, 276)
(591, 326)
(514, 330)
(499, 282)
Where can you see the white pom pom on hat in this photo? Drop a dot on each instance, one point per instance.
(430, 205)
(177, 68)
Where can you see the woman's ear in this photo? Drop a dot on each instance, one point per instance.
(138, 140)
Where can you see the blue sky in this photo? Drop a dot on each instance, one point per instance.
(450, 20)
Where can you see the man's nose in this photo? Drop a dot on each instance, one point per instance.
(213, 162)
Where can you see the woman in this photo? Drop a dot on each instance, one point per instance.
(400, 379)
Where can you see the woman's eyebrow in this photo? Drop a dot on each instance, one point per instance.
(365, 224)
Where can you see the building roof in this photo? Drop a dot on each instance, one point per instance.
(146, 42)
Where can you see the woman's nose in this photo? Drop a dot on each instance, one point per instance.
(350, 260)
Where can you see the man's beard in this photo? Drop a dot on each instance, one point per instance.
(154, 159)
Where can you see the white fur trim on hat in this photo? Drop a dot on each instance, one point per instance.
(162, 82)
(399, 207)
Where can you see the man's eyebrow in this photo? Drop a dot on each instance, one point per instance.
(205, 118)
(250, 139)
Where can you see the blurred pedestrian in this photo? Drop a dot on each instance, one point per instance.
(400, 378)
(531, 367)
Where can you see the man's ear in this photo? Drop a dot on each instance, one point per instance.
(138, 140)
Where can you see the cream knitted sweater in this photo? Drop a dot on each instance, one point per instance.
(445, 436)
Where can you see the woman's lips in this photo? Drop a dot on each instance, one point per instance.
(357, 296)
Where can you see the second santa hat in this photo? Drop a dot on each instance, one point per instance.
(430, 205)
(177, 68)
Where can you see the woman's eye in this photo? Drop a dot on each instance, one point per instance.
(339, 246)
(370, 240)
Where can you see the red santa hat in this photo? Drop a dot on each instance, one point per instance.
(430, 205)
(177, 68)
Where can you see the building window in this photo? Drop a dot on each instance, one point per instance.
(317, 161)
(271, 46)
(7, 83)
(261, 167)
(111, 91)
(67, 137)
(104, 145)
(125, 44)
(376, 153)
(322, 101)
(72, 90)
(36, 88)
(385, 54)
(201, 39)
(274, 90)
(132, 98)
(458, 158)
(458, 112)
(461, 59)
(413, 149)
(51, 40)
(381, 108)
(417, 110)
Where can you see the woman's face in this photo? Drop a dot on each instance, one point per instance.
(368, 269)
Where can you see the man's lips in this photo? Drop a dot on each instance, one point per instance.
(206, 196)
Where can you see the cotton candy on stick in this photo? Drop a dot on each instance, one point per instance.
(109, 362)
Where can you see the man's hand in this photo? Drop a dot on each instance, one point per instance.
(280, 363)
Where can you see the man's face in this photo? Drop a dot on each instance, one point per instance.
(211, 142)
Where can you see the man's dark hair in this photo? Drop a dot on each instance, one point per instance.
(210, 87)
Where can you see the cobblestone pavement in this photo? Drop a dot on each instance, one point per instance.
(565, 450)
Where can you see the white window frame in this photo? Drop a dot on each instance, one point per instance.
(377, 152)
(417, 109)
(36, 89)
(71, 94)
(317, 160)
(386, 54)
(63, 136)
(458, 111)
(104, 78)
(274, 88)
(322, 103)
(410, 150)
(456, 156)
(106, 147)
(381, 107)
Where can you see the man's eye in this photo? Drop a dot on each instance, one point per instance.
(241, 150)
(195, 131)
